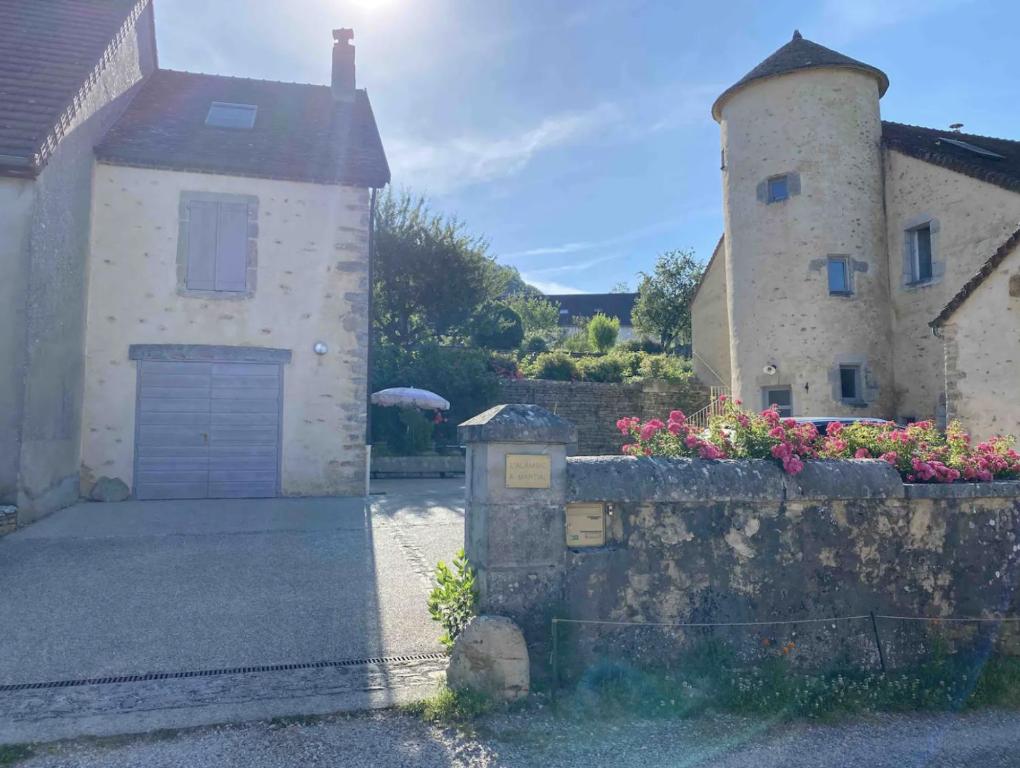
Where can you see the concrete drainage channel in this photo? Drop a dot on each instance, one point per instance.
(102, 706)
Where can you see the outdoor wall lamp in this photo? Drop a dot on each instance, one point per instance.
(320, 348)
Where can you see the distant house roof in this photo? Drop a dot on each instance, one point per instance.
(300, 132)
(1008, 246)
(799, 54)
(999, 164)
(574, 305)
(50, 54)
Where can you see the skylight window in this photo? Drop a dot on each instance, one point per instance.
(225, 115)
(972, 148)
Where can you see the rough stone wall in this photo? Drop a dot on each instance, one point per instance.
(16, 197)
(312, 286)
(982, 355)
(824, 126)
(740, 541)
(54, 303)
(710, 324)
(972, 219)
(594, 408)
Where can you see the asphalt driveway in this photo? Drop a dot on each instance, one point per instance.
(141, 587)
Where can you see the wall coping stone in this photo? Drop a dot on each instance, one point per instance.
(1003, 489)
(517, 423)
(208, 353)
(660, 479)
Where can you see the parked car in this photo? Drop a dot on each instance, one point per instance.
(822, 422)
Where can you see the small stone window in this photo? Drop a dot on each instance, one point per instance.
(776, 189)
(779, 189)
(919, 243)
(781, 397)
(850, 383)
(839, 276)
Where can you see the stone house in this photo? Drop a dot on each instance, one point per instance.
(850, 248)
(188, 268)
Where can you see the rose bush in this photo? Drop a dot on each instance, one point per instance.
(920, 452)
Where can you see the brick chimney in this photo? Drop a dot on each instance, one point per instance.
(343, 65)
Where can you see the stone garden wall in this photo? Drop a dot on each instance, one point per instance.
(594, 408)
(689, 541)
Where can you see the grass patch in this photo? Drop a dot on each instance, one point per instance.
(773, 689)
(15, 753)
(449, 707)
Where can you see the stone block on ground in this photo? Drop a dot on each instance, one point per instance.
(490, 657)
(110, 489)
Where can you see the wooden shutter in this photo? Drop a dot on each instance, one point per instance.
(232, 247)
(202, 247)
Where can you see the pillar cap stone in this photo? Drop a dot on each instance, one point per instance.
(517, 423)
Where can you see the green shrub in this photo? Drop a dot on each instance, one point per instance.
(608, 369)
(603, 332)
(452, 603)
(666, 367)
(555, 366)
(535, 344)
(640, 345)
(631, 362)
(504, 364)
(418, 428)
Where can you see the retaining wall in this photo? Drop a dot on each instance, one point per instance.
(594, 408)
(692, 541)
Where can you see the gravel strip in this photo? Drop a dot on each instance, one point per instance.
(537, 738)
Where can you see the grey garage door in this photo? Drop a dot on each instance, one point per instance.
(207, 430)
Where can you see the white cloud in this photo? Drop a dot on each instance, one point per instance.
(578, 266)
(848, 20)
(550, 286)
(441, 167)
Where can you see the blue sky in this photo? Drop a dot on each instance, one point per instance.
(576, 136)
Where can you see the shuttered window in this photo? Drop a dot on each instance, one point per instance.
(217, 246)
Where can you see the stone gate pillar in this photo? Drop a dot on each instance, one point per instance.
(516, 477)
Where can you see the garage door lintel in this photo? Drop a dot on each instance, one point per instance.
(208, 353)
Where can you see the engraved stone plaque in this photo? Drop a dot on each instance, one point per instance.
(528, 471)
(586, 525)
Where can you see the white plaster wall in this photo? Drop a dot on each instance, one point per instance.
(710, 324)
(824, 125)
(982, 359)
(311, 286)
(974, 218)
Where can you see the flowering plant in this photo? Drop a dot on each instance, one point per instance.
(920, 452)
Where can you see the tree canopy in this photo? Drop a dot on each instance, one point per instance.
(430, 277)
(663, 306)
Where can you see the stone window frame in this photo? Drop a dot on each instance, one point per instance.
(765, 390)
(938, 265)
(867, 387)
(792, 187)
(848, 271)
(251, 271)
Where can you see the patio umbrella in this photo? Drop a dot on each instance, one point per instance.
(410, 397)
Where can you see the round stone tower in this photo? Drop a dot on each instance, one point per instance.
(806, 258)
